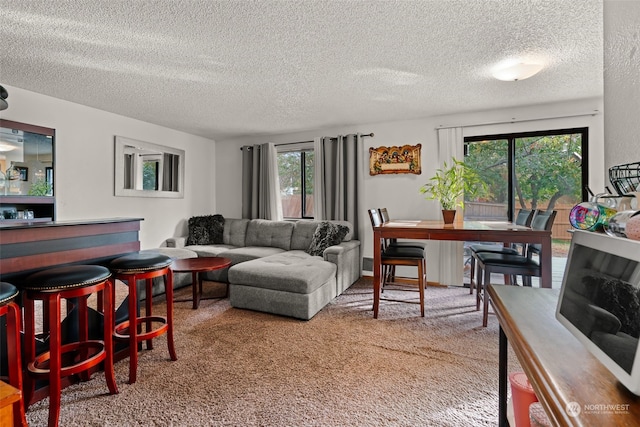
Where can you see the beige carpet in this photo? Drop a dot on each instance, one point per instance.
(341, 368)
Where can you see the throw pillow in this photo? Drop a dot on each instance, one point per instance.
(620, 299)
(205, 230)
(326, 234)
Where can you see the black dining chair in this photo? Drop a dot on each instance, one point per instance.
(392, 256)
(384, 217)
(524, 217)
(528, 265)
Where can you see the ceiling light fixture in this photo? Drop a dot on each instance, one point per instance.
(518, 71)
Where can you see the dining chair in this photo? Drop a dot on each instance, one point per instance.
(392, 256)
(524, 217)
(384, 217)
(525, 265)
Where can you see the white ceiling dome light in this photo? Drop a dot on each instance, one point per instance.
(516, 70)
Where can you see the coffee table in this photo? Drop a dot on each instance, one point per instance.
(199, 265)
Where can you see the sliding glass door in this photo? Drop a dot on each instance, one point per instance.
(537, 170)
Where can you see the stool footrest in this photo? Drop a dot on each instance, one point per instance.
(121, 330)
(39, 367)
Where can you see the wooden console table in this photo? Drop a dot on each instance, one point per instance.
(560, 369)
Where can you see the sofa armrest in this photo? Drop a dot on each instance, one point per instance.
(176, 242)
(346, 256)
(603, 321)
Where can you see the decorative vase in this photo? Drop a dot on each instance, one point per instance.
(632, 229)
(449, 215)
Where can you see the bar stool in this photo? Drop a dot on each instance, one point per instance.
(144, 266)
(11, 311)
(74, 284)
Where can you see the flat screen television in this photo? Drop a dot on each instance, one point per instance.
(600, 301)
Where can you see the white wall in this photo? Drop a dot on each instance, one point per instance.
(84, 165)
(400, 193)
(622, 81)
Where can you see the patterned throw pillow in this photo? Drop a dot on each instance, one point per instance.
(327, 234)
(620, 299)
(205, 230)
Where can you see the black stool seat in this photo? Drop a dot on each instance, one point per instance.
(7, 292)
(68, 277)
(140, 262)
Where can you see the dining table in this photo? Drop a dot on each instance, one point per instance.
(465, 231)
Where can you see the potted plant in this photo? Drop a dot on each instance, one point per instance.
(449, 185)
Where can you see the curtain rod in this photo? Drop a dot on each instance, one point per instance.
(304, 142)
(594, 113)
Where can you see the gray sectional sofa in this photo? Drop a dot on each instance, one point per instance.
(271, 270)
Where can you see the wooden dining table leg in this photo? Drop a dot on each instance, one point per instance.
(376, 272)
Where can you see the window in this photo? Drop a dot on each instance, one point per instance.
(535, 170)
(295, 168)
(150, 173)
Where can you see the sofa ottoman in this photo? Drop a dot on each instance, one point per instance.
(292, 283)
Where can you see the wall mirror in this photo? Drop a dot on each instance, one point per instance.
(143, 169)
(26, 159)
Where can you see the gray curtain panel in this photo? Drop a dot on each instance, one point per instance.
(170, 172)
(339, 171)
(260, 187)
(128, 171)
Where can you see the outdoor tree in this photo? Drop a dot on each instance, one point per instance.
(547, 168)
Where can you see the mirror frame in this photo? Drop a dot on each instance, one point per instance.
(120, 144)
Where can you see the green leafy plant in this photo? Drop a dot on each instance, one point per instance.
(450, 183)
(40, 188)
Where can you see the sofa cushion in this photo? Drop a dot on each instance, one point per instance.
(209, 250)
(249, 253)
(292, 271)
(303, 234)
(326, 234)
(262, 232)
(205, 230)
(235, 231)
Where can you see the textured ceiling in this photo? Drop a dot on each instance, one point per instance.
(230, 68)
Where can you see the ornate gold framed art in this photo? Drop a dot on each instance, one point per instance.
(386, 160)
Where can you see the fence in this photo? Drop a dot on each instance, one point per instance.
(497, 211)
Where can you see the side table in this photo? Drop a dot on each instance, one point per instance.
(199, 265)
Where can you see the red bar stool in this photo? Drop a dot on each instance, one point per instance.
(144, 266)
(11, 311)
(74, 284)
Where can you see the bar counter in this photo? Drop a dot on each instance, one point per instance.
(26, 247)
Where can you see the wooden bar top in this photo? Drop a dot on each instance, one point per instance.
(26, 224)
(561, 370)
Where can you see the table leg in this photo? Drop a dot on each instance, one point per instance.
(376, 273)
(546, 255)
(502, 380)
(194, 287)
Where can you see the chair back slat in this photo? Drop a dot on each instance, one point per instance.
(541, 221)
(524, 217)
(384, 215)
(374, 215)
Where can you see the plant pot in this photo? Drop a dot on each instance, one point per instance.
(448, 215)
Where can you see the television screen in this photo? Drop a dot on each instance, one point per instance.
(600, 301)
